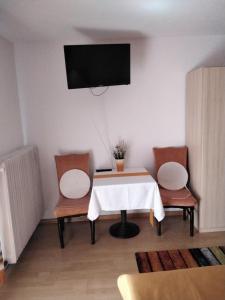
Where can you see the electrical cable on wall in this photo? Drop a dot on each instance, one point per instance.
(107, 148)
(103, 92)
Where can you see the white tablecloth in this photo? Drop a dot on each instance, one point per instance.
(125, 193)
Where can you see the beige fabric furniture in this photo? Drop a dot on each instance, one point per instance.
(205, 138)
(179, 198)
(205, 283)
(68, 208)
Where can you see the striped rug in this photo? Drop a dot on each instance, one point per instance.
(153, 261)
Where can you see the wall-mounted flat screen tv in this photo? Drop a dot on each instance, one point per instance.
(97, 65)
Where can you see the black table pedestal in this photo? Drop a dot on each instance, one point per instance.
(124, 229)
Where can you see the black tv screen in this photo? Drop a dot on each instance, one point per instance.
(97, 65)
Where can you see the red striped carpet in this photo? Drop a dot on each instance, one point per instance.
(154, 261)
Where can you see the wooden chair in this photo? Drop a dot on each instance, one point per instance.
(67, 208)
(175, 199)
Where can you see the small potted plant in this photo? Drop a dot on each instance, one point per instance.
(119, 155)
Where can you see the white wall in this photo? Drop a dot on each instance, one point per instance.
(10, 122)
(149, 112)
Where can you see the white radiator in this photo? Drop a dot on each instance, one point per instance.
(20, 200)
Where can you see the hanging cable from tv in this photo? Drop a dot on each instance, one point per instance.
(98, 94)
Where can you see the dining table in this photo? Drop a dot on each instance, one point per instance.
(128, 190)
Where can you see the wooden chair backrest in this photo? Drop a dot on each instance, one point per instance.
(177, 154)
(68, 162)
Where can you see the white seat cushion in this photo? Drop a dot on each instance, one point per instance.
(74, 184)
(172, 176)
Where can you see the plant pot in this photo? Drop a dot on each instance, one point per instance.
(120, 165)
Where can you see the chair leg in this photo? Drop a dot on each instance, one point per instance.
(191, 221)
(60, 222)
(184, 214)
(92, 224)
(159, 229)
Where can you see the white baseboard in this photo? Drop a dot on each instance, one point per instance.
(217, 229)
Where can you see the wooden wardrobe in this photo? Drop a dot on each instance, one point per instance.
(205, 138)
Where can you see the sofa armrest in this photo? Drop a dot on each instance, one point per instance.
(204, 283)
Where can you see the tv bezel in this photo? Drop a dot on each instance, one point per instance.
(94, 85)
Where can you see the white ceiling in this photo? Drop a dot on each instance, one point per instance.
(109, 19)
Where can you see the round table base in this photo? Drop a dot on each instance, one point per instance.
(124, 230)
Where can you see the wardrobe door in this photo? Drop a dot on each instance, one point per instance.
(194, 121)
(212, 205)
(205, 138)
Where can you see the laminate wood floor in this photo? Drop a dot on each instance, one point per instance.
(83, 271)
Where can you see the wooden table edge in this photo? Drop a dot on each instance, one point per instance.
(122, 174)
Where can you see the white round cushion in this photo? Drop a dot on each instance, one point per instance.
(74, 184)
(172, 176)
